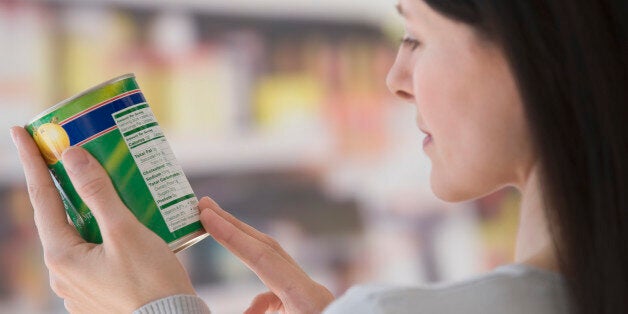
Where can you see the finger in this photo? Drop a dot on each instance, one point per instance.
(265, 302)
(95, 189)
(273, 269)
(57, 286)
(207, 202)
(71, 307)
(49, 213)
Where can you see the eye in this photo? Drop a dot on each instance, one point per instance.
(410, 42)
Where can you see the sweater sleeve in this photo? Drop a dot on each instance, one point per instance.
(175, 304)
(358, 299)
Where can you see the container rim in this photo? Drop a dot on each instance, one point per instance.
(81, 94)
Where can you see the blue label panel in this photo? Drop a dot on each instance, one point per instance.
(91, 123)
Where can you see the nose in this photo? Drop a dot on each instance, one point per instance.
(399, 79)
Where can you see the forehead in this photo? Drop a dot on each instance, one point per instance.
(416, 11)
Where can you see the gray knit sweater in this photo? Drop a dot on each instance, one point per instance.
(511, 289)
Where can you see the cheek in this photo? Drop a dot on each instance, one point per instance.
(478, 130)
(452, 150)
(440, 96)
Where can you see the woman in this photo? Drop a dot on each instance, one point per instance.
(530, 94)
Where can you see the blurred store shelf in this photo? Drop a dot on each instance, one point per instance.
(373, 12)
(214, 81)
(11, 170)
(252, 153)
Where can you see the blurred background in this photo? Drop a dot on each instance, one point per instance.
(279, 111)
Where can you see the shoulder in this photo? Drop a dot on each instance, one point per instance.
(510, 289)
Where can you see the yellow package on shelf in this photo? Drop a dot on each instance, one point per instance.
(289, 103)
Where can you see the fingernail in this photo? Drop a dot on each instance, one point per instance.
(13, 136)
(74, 159)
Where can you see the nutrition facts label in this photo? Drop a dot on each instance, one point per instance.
(157, 163)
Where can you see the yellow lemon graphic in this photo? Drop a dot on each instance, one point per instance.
(52, 140)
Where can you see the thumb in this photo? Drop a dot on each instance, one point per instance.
(95, 189)
(265, 302)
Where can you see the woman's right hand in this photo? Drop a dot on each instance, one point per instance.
(132, 267)
(291, 289)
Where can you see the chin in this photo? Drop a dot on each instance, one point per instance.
(451, 196)
(451, 192)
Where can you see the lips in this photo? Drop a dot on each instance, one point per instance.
(427, 140)
(428, 136)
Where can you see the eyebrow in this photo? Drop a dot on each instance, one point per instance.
(399, 9)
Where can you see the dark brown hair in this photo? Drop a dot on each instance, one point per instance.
(569, 61)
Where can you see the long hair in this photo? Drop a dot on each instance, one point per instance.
(569, 59)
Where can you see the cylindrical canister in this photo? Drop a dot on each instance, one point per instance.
(115, 124)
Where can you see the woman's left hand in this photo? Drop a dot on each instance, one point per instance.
(291, 289)
(132, 267)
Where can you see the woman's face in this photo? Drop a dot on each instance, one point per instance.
(467, 102)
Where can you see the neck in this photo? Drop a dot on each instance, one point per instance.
(534, 243)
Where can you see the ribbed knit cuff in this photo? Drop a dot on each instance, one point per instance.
(175, 304)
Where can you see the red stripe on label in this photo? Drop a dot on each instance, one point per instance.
(97, 135)
(92, 108)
